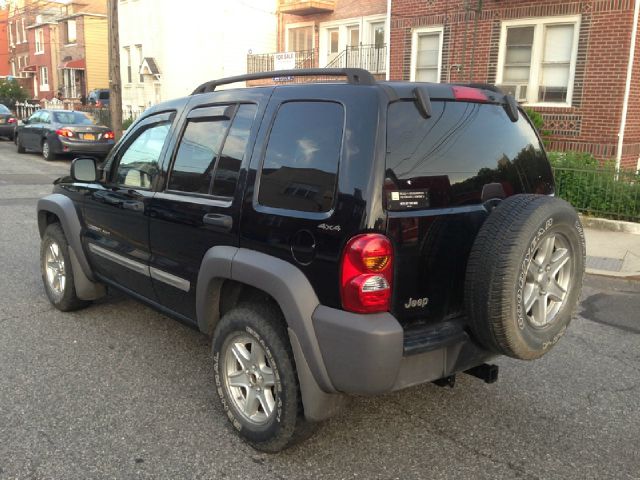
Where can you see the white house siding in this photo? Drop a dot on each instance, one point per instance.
(192, 41)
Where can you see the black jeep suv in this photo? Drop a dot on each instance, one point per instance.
(339, 238)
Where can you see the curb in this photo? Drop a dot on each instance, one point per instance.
(610, 225)
(607, 273)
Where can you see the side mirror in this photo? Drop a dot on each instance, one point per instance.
(25, 121)
(83, 169)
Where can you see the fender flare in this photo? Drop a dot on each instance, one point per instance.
(63, 207)
(281, 280)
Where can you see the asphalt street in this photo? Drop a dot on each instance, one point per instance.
(121, 391)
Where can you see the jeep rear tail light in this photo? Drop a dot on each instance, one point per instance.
(469, 94)
(366, 275)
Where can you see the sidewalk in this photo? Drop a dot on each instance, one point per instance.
(611, 253)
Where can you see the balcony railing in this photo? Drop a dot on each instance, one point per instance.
(369, 57)
(307, 7)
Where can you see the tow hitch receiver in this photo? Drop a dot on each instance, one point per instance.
(488, 373)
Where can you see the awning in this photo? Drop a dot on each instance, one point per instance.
(78, 64)
(30, 68)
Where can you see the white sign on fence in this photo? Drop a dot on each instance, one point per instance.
(284, 61)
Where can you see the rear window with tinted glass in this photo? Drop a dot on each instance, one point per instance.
(301, 162)
(448, 157)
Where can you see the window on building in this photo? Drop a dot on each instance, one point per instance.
(18, 41)
(127, 53)
(71, 31)
(39, 34)
(10, 28)
(139, 62)
(426, 55)
(537, 59)
(44, 78)
(300, 39)
(301, 161)
(378, 34)
(24, 32)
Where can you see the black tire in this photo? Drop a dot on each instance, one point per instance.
(512, 261)
(66, 299)
(264, 323)
(19, 146)
(47, 153)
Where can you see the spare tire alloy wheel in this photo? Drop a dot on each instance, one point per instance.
(548, 279)
(524, 275)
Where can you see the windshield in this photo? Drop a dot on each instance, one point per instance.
(4, 109)
(73, 118)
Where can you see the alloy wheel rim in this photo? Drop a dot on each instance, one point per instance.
(249, 379)
(55, 269)
(548, 280)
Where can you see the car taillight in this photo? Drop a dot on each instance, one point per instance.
(366, 275)
(11, 120)
(469, 94)
(63, 132)
(109, 136)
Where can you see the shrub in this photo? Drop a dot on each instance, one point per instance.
(596, 188)
(11, 92)
(126, 123)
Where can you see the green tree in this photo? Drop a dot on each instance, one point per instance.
(11, 92)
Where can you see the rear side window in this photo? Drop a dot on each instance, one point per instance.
(301, 161)
(447, 158)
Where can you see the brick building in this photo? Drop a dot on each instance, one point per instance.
(329, 33)
(5, 67)
(569, 60)
(42, 37)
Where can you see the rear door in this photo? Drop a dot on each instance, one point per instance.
(29, 131)
(116, 210)
(199, 205)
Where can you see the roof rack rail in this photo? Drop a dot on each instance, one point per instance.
(355, 76)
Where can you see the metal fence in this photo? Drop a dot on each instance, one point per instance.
(264, 62)
(601, 192)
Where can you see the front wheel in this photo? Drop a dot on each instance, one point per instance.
(57, 274)
(256, 379)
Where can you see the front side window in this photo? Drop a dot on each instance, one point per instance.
(138, 164)
(301, 160)
(425, 55)
(538, 59)
(197, 154)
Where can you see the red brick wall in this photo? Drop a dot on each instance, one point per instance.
(344, 9)
(592, 122)
(43, 60)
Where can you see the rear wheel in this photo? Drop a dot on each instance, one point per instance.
(256, 378)
(18, 142)
(47, 153)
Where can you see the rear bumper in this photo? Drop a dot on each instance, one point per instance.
(102, 148)
(7, 130)
(372, 354)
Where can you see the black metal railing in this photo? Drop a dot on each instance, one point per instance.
(265, 62)
(369, 57)
(602, 192)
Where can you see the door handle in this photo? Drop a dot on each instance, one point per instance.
(218, 220)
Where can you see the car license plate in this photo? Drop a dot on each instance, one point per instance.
(89, 136)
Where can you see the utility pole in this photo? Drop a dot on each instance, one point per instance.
(115, 85)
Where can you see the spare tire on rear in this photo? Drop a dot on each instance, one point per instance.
(524, 275)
